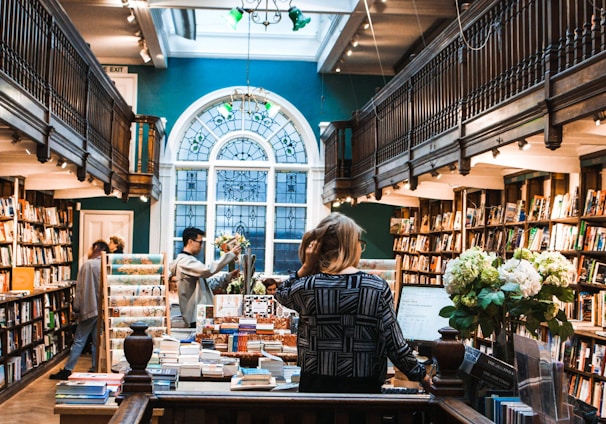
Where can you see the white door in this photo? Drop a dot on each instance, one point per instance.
(95, 225)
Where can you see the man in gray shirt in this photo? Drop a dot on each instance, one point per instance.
(193, 277)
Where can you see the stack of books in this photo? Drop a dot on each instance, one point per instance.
(253, 379)
(274, 366)
(169, 351)
(212, 370)
(163, 378)
(81, 392)
(247, 325)
(112, 380)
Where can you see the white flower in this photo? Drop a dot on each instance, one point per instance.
(555, 268)
(523, 273)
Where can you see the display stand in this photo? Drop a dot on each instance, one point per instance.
(134, 289)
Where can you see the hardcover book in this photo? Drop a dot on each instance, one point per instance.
(87, 387)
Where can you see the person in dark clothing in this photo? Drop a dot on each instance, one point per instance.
(347, 321)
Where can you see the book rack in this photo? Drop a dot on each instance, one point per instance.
(134, 289)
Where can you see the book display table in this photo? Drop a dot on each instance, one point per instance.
(94, 414)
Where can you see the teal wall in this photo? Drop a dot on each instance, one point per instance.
(140, 225)
(374, 219)
(169, 92)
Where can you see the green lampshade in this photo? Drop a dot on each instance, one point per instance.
(297, 18)
(234, 16)
(225, 109)
(271, 109)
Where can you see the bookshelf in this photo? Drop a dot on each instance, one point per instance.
(34, 330)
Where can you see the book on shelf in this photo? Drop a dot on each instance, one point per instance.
(510, 212)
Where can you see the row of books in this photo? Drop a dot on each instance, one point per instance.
(37, 255)
(595, 202)
(423, 263)
(28, 233)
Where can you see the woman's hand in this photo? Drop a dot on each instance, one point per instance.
(312, 257)
(236, 250)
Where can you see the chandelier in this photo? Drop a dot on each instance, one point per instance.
(251, 100)
(271, 14)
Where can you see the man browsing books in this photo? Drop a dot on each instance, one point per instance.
(193, 277)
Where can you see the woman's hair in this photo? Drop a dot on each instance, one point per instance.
(339, 236)
(117, 241)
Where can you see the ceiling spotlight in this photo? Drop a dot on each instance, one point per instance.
(145, 55)
(495, 152)
(435, 174)
(349, 51)
(131, 18)
(338, 69)
(396, 186)
(365, 25)
(336, 203)
(407, 185)
(599, 118)
(62, 163)
(452, 167)
(28, 151)
(355, 42)
(90, 179)
(143, 198)
(523, 144)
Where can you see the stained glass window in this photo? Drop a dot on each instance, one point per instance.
(241, 195)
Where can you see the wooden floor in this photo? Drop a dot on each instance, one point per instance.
(34, 404)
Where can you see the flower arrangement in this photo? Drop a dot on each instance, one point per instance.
(492, 294)
(237, 285)
(225, 242)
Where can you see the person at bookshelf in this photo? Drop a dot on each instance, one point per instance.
(344, 313)
(195, 285)
(116, 244)
(86, 309)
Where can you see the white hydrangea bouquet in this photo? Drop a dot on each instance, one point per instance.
(491, 294)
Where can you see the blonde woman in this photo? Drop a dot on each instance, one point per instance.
(347, 321)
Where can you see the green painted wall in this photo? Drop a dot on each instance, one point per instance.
(140, 225)
(374, 219)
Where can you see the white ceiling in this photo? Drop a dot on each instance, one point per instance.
(397, 28)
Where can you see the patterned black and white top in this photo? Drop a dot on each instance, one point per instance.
(347, 329)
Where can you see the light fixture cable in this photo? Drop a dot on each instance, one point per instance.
(467, 43)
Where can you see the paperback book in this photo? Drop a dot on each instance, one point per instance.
(81, 387)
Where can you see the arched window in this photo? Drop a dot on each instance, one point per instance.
(238, 169)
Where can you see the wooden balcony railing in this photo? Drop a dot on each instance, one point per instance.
(514, 59)
(54, 91)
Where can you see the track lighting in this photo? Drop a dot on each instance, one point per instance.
(523, 144)
(131, 18)
(495, 152)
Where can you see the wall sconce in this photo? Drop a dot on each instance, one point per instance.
(495, 152)
(523, 144)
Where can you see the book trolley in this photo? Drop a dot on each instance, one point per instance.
(134, 289)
